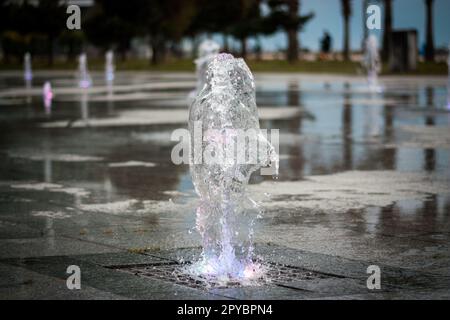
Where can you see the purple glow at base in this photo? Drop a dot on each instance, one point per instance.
(28, 76)
(48, 96)
(85, 84)
(245, 274)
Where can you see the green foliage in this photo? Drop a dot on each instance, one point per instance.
(282, 17)
(113, 23)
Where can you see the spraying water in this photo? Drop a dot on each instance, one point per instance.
(372, 62)
(207, 50)
(28, 72)
(47, 94)
(84, 79)
(28, 76)
(109, 67)
(226, 213)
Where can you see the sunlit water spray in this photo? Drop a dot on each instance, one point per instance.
(372, 63)
(207, 50)
(226, 213)
(84, 78)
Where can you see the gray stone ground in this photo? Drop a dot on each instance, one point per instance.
(364, 179)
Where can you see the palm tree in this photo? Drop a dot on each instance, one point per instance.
(387, 29)
(285, 15)
(346, 13)
(429, 45)
(365, 30)
(249, 23)
(293, 46)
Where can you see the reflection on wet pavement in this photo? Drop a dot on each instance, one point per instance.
(362, 175)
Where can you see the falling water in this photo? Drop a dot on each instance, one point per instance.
(28, 73)
(28, 76)
(109, 67)
(47, 94)
(226, 213)
(84, 79)
(207, 50)
(84, 107)
(372, 62)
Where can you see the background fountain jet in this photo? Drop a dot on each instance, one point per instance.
(372, 63)
(47, 94)
(207, 50)
(109, 67)
(28, 73)
(84, 78)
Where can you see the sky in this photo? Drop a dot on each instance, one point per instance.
(407, 14)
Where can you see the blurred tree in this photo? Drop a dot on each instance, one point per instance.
(215, 16)
(167, 20)
(17, 25)
(113, 23)
(346, 13)
(116, 22)
(4, 15)
(387, 28)
(50, 19)
(73, 41)
(285, 15)
(249, 22)
(429, 44)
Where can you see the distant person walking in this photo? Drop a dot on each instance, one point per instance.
(325, 45)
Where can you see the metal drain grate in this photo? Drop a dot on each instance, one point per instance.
(172, 272)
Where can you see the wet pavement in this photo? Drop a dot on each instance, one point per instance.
(364, 180)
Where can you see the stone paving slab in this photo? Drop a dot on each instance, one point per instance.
(440, 294)
(109, 280)
(348, 268)
(48, 246)
(19, 283)
(119, 258)
(101, 274)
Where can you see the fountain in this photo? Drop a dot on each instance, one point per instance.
(28, 76)
(109, 76)
(372, 63)
(84, 79)
(206, 52)
(28, 73)
(84, 106)
(109, 67)
(47, 94)
(222, 110)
